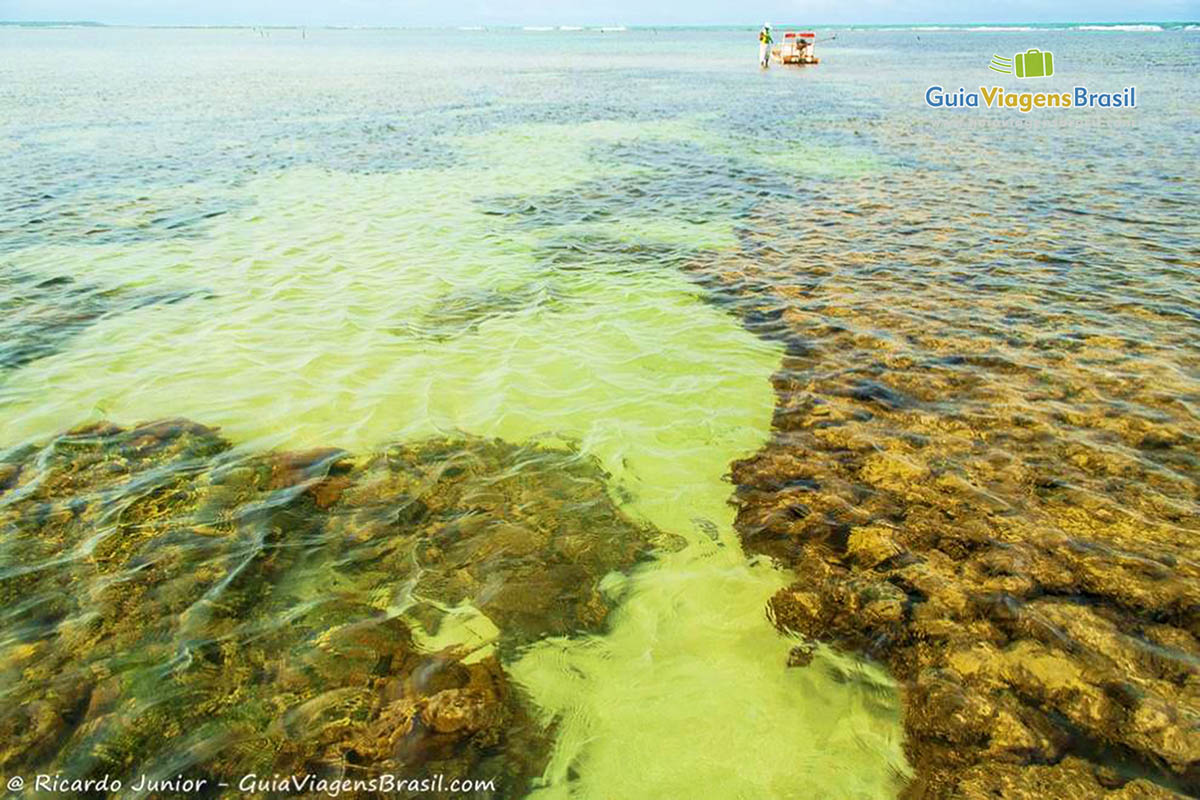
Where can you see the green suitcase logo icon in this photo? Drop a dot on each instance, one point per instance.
(1034, 63)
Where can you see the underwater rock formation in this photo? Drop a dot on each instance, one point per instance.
(39, 315)
(676, 180)
(173, 606)
(1001, 504)
(461, 312)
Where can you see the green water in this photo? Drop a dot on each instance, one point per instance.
(351, 309)
(336, 240)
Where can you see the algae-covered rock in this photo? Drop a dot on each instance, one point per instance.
(1071, 779)
(525, 546)
(1000, 507)
(173, 606)
(870, 545)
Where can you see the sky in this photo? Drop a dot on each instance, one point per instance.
(591, 12)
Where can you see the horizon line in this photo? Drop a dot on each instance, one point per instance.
(595, 25)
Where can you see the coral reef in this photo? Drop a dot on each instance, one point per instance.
(1000, 504)
(174, 606)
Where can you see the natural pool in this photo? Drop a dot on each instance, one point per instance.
(467, 358)
(332, 309)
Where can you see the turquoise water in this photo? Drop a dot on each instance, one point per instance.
(358, 237)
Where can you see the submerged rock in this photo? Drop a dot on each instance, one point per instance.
(1022, 639)
(1010, 523)
(462, 312)
(173, 606)
(39, 315)
(1070, 779)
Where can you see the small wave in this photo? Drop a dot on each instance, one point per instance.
(570, 28)
(980, 28)
(613, 29)
(539, 28)
(1147, 28)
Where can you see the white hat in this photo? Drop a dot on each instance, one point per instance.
(766, 24)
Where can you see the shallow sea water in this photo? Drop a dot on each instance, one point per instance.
(364, 237)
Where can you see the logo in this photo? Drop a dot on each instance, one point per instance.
(1033, 63)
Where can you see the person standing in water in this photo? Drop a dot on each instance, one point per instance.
(764, 45)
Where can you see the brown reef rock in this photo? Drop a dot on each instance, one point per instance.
(994, 493)
(1022, 637)
(171, 605)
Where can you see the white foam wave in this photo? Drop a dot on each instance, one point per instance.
(1147, 28)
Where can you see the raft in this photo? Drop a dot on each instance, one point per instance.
(796, 48)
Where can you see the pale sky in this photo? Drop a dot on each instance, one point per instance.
(590, 12)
